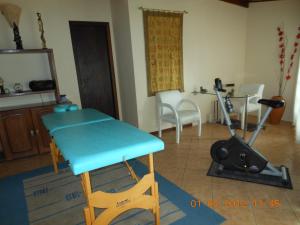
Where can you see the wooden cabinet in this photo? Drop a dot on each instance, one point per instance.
(22, 132)
(17, 134)
(40, 131)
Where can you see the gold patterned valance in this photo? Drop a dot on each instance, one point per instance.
(163, 42)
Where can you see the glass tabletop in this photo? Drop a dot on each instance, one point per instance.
(212, 93)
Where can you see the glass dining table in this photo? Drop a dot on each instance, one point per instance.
(216, 107)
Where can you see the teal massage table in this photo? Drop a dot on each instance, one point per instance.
(90, 140)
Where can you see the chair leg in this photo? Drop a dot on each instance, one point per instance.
(159, 128)
(177, 133)
(242, 120)
(199, 128)
(258, 115)
(222, 118)
(181, 127)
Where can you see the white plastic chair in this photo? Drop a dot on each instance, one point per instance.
(168, 108)
(255, 92)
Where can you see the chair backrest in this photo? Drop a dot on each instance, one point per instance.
(251, 89)
(172, 98)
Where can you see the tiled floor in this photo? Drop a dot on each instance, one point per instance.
(186, 165)
(244, 203)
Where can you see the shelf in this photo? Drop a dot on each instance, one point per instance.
(30, 105)
(24, 51)
(29, 92)
(51, 62)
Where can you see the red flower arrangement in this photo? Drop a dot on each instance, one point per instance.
(282, 39)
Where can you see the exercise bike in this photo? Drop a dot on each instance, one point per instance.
(237, 159)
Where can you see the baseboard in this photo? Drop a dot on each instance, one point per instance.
(171, 128)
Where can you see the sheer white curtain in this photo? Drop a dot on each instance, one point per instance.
(297, 107)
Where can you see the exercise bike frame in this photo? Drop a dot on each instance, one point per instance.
(270, 169)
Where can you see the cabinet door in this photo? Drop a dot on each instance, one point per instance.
(18, 137)
(40, 131)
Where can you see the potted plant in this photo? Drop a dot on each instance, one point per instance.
(286, 65)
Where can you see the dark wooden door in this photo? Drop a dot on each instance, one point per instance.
(17, 134)
(94, 65)
(41, 132)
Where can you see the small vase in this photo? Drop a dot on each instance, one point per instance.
(276, 114)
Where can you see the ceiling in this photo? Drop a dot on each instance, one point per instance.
(245, 3)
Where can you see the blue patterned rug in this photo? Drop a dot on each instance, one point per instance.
(41, 197)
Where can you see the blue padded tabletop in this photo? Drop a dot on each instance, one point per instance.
(60, 120)
(101, 144)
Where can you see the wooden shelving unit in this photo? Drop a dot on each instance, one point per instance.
(29, 92)
(51, 62)
(33, 138)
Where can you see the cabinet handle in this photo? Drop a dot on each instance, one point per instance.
(32, 133)
(37, 131)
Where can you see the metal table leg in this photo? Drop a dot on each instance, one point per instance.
(245, 116)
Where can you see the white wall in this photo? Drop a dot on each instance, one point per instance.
(121, 28)
(56, 15)
(219, 40)
(214, 38)
(262, 46)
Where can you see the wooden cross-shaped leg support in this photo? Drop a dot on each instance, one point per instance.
(115, 204)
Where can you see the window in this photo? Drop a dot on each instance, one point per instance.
(297, 106)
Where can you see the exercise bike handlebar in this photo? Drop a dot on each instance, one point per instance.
(218, 85)
(218, 88)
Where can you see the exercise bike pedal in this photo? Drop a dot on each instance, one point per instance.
(253, 169)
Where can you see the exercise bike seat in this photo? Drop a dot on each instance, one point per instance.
(272, 103)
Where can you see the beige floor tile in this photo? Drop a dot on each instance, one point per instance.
(197, 163)
(275, 216)
(296, 182)
(236, 215)
(196, 183)
(265, 196)
(294, 201)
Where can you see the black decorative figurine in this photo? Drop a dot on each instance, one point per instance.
(17, 37)
(41, 29)
(203, 90)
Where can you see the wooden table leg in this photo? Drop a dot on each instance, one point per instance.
(54, 155)
(89, 212)
(154, 191)
(87, 216)
(157, 211)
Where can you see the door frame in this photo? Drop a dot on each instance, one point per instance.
(110, 58)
